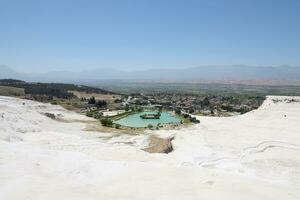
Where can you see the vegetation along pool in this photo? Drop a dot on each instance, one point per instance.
(136, 121)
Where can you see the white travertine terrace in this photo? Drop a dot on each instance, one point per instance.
(251, 156)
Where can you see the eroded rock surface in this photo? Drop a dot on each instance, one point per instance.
(159, 145)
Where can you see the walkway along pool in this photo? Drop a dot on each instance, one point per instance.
(136, 121)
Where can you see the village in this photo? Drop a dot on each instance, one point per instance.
(208, 105)
(152, 110)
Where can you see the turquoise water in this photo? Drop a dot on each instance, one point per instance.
(134, 120)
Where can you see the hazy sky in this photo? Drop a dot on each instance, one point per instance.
(140, 34)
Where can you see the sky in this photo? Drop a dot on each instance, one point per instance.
(75, 35)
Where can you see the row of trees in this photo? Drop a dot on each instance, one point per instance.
(97, 103)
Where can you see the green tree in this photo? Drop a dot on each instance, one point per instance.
(127, 108)
(205, 101)
(101, 104)
(92, 100)
(178, 111)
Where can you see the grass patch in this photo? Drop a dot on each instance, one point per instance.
(11, 91)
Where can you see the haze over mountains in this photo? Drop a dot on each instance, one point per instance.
(203, 73)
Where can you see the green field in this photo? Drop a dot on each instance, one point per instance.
(198, 88)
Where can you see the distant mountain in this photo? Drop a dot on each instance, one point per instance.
(6, 72)
(203, 73)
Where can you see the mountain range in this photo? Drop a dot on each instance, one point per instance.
(203, 73)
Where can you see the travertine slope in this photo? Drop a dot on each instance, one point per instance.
(252, 156)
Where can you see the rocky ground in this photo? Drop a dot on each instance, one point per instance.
(47, 152)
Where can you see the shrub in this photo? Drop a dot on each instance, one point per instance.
(94, 113)
(150, 126)
(139, 109)
(54, 102)
(186, 115)
(118, 100)
(106, 122)
(194, 120)
(89, 114)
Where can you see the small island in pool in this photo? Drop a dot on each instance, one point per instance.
(151, 116)
(144, 119)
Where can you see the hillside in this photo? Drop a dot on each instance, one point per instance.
(59, 90)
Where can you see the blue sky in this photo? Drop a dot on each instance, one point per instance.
(141, 34)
